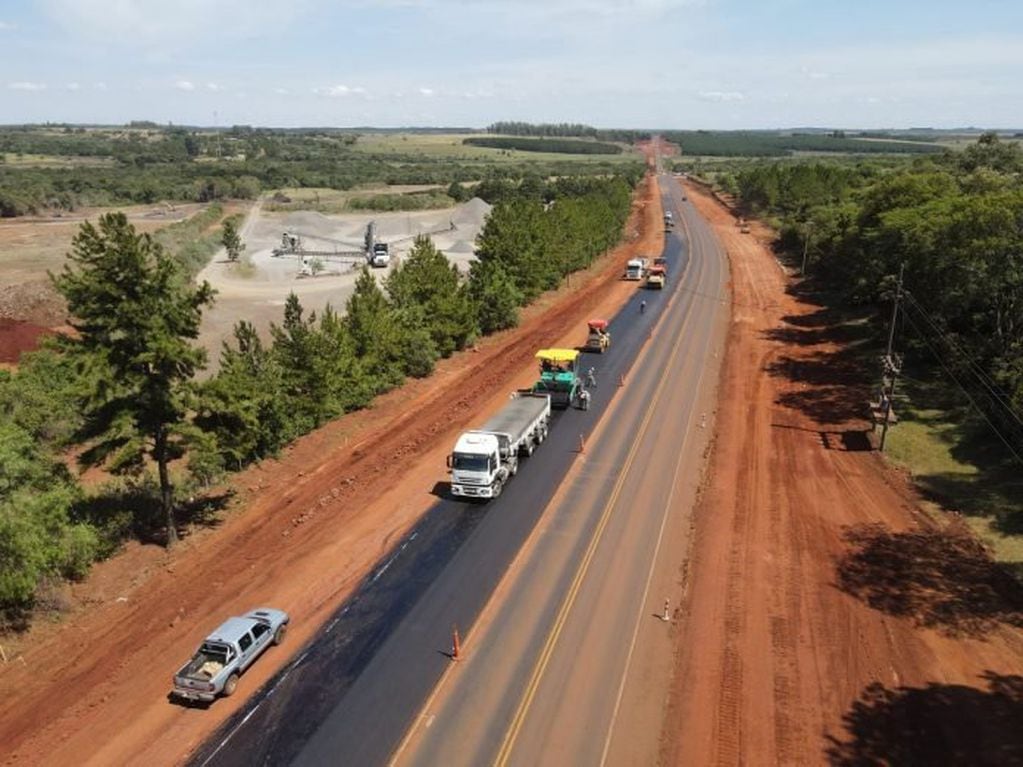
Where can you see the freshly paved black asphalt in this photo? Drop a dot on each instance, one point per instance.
(350, 695)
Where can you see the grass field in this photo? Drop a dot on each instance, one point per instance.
(336, 201)
(450, 147)
(53, 161)
(959, 464)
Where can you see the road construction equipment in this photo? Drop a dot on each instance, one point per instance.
(599, 339)
(559, 376)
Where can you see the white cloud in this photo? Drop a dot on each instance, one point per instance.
(27, 86)
(281, 91)
(4, 25)
(426, 92)
(73, 86)
(721, 96)
(100, 86)
(214, 87)
(337, 91)
(566, 7)
(184, 85)
(182, 24)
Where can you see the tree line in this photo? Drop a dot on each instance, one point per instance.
(121, 393)
(567, 130)
(554, 145)
(952, 220)
(775, 144)
(559, 130)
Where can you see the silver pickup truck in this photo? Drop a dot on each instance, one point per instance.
(227, 652)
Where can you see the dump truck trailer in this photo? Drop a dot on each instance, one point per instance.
(485, 459)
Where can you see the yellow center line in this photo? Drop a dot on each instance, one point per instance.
(504, 754)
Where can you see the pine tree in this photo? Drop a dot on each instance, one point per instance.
(428, 282)
(376, 334)
(495, 296)
(232, 241)
(245, 405)
(134, 316)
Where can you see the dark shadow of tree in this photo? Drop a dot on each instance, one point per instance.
(835, 381)
(133, 510)
(938, 724)
(941, 579)
(834, 389)
(849, 440)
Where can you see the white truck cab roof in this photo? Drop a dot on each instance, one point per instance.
(476, 443)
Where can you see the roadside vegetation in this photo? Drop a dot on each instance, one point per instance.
(121, 393)
(952, 220)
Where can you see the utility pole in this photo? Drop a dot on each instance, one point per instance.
(806, 247)
(892, 366)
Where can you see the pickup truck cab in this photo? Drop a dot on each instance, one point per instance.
(227, 652)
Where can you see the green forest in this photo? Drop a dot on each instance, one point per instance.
(775, 144)
(557, 145)
(122, 393)
(953, 221)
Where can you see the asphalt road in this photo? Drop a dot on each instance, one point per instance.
(545, 676)
(352, 693)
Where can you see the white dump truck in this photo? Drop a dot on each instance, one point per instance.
(485, 459)
(380, 256)
(635, 268)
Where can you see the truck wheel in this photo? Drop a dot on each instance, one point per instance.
(280, 633)
(531, 445)
(230, 686)
(498, 487)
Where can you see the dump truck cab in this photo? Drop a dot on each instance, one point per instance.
(598, 339)
(656, 277)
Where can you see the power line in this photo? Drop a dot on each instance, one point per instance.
(973, 366)
(959, 383)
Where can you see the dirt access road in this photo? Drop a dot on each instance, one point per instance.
(93, 689)
(829, 619)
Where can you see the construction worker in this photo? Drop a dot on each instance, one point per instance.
(584, 400)
(642, 307)
(591, 378)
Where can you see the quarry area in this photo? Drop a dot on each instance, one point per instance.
(256, 286)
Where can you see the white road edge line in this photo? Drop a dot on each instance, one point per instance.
(231, 734)
(653, 561)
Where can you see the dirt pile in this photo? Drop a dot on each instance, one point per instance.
(472, 214)
(35, 302)
(17, 337)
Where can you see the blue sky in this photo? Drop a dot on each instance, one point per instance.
(609, 63)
